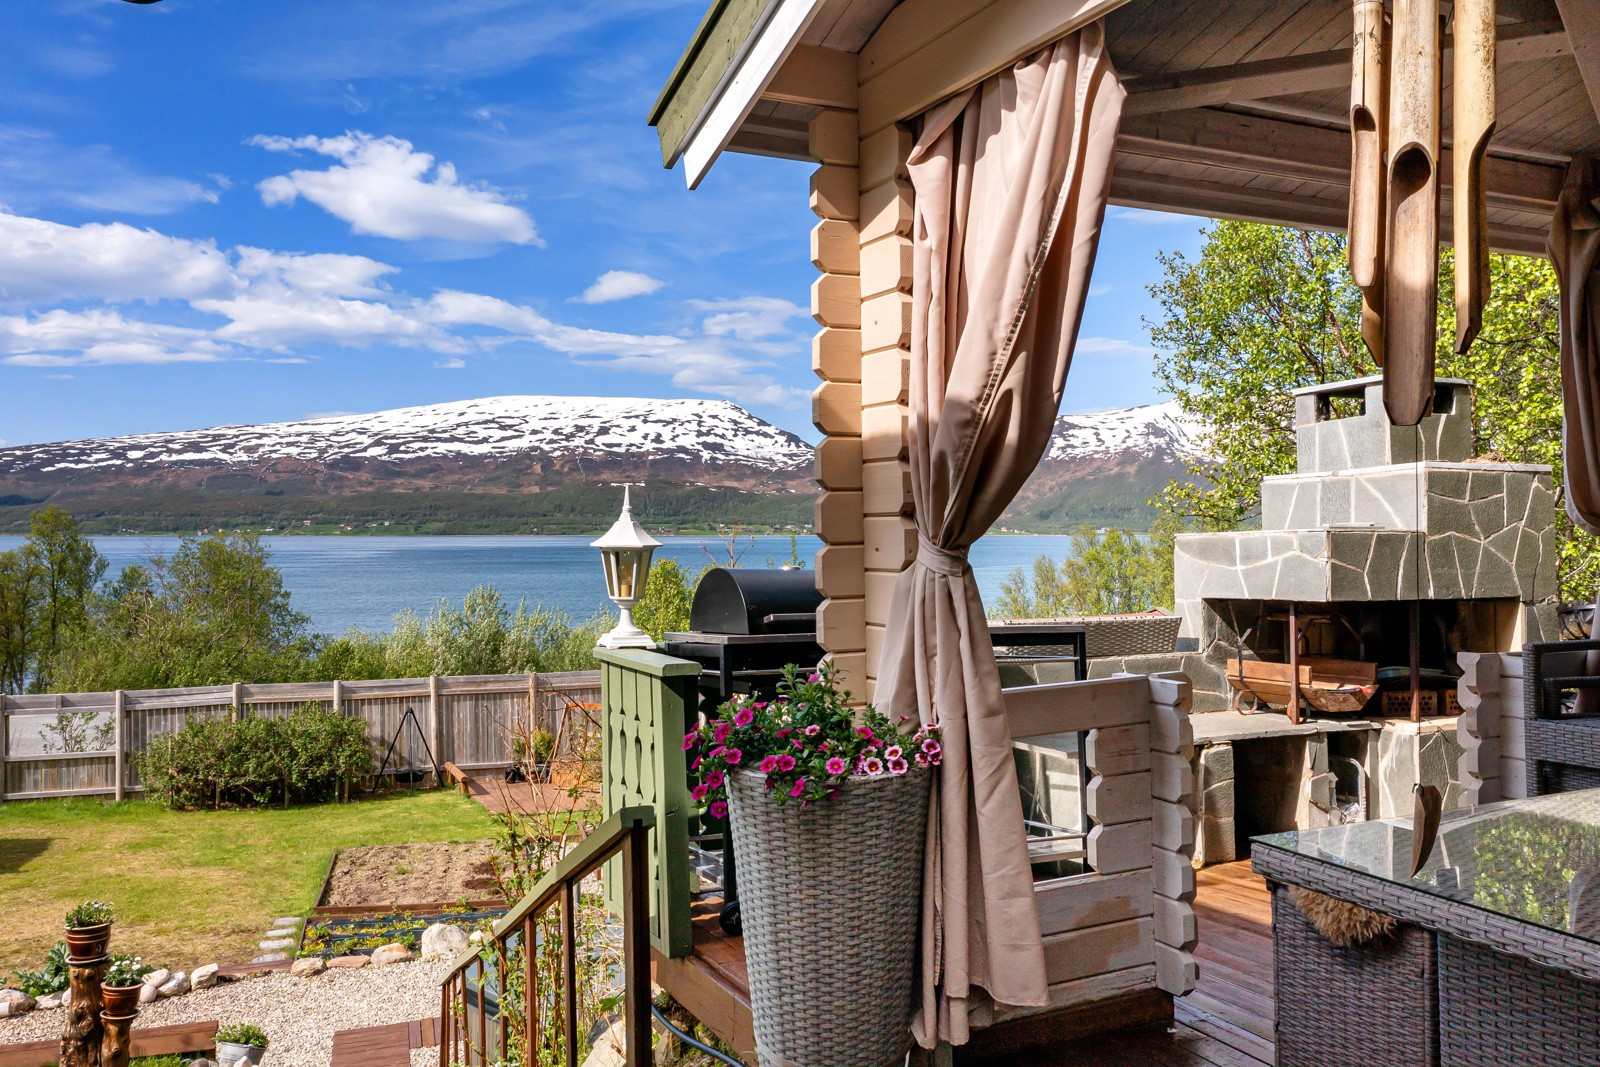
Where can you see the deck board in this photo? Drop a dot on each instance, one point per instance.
(1226, 1022)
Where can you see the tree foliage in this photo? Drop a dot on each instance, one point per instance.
(1264, 310)
(45, 589)
(668, 595)
(1107, 572)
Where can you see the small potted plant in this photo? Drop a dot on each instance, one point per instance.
(829, 808)
(240, 1043)
(121, 984)
(89, 930)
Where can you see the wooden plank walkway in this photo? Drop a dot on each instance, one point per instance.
(145, 1041)
(1226, 1022)
(525, 798)
(383, 1046)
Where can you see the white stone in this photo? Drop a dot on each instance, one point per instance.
(287, 920)
(203, 977)
(14, 1002)
(66, 997)
(441, 940)
(157, 976)
(48, 1001)
(609, 1049)
(149, 994)
(274, 944)
(281, 932)
(175, 986)
(308, 966)
(391, 953)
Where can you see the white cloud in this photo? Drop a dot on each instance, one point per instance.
(749, 318)
(619, 285)
(1110, 346)
(37, 168)
(258, 304)
(382, 186)
(1141, 217)
(46, 262)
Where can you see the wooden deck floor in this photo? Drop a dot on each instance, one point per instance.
(1226, 1022)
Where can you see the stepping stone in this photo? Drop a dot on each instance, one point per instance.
(289, 920)
(271, 957)
(289, 931)
(274, 944)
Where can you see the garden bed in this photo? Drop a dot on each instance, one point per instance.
(330, 936)
(403, 875)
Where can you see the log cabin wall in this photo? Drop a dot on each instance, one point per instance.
(861, 247)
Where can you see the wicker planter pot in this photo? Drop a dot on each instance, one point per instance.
(831, 895)
(88, 942)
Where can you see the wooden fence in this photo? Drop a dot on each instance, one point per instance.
(466, 720)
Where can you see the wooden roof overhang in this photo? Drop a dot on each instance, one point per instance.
(1234, 111)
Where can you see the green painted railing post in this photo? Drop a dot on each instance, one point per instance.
(648, 702)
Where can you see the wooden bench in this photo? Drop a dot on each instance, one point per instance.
(458, 778)
(146, 1041)
(383, 1046)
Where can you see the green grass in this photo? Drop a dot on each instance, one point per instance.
(192, 887)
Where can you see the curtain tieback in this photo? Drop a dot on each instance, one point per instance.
(951, 561)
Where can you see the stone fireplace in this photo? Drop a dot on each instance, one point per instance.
(1388, 545)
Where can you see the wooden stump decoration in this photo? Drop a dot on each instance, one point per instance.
(80, 1044)
(115, 1039)
(1412, 205)
(1369, 88)
(1474, 115)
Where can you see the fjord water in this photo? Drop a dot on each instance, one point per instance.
(363, 581)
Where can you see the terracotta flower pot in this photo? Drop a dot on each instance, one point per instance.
(120, 1000)
(88, 942)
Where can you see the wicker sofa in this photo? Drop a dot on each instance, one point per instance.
(1563, 750)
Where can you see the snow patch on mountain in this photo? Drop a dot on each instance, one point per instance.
(715, 432)
(1140, 432)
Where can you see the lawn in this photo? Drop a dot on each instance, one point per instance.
(192, 887)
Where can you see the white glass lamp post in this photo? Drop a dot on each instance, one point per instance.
(625, 549)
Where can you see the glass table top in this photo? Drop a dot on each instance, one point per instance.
(1536, 860)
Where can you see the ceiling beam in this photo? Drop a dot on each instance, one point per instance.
(1582, 19)
(816, 77)
(1286, 149)
(1260, 79)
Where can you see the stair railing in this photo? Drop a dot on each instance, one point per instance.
(476, 1033)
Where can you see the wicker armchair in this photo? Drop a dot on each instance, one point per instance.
(1562, 748)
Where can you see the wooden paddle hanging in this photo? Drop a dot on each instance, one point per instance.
(1474, 122)
(1411, 288)
(1369, 88)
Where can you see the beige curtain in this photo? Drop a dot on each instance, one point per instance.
(1575, 253)
(1010, 182)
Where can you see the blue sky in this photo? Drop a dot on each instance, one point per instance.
(217, 211)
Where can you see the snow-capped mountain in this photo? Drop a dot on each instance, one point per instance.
(518, 463)
(694, 433)
(1154, 430)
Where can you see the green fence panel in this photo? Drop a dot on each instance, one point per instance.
(648, 702)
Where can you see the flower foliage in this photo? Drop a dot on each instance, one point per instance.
(125, 971)
(807, 741)
(90, 913)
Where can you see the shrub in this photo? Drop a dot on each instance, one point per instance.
(242, 1034)
(311, 755)
(90, 913)
(51, 978)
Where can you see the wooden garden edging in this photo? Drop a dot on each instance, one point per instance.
(468, 721)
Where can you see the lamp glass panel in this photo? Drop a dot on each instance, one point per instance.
(627, 572)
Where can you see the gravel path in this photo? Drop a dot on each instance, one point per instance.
(300, 1015)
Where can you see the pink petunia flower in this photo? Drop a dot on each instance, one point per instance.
(769, 764)
(695, 766)
(921, 759)
(814, 678)
(836, 766)
(931, 747)
(719, 730)
(892, 752)
(689, 739)
(718, 809)
(872, 765)
(733, 755)
(719, 752)
(813, 730)
(898, 766)
(796, 742)
(743, 717)
(785, 733)
(798, 787)
(865, 731)
(786, 762)
(699, 792)
(714, 779)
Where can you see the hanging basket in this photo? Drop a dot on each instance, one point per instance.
(831, 895)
